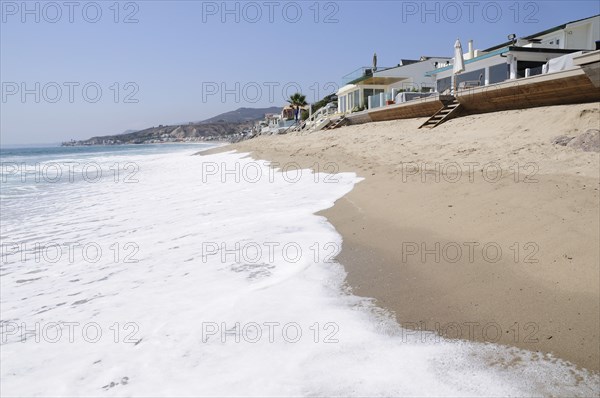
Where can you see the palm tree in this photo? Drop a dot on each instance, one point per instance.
(297, 99)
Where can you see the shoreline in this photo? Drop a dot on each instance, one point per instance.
(402, 234)
(503, 303)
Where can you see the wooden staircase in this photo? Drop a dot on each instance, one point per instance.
(338, 123)
(297, 126)
(449, 111)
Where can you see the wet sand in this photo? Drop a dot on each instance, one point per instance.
(480, 229)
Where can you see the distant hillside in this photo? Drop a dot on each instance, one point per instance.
(242, 115)
(221, 127)
(191, 132)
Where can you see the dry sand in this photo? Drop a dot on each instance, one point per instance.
(541, 293)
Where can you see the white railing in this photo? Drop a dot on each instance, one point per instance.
(317, 118)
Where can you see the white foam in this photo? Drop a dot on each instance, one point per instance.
(167, 297)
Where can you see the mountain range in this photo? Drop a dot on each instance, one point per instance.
(220, 127)
(242, 115)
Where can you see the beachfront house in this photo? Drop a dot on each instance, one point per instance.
(369, 88)
(277, 123)
(520, 57)
(270, 123)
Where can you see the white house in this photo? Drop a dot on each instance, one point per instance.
(521, 57)
(408, 75)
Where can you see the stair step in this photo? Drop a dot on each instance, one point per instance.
(442, 115)
(336, 124)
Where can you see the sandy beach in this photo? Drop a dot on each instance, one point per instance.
(480, 229)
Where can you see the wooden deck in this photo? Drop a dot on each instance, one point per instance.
(423, 107)
(359, 117)
(593, 72)
(590, 63)
(560, 88)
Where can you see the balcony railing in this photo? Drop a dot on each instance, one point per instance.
(380, 100)
(362, 72)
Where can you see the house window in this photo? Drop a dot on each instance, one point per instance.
(369, 92)
(443, 84)
(535, 68)
(498, 73)
(476, 75)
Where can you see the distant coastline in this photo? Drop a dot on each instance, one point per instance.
(226, 127)
(199, 140)
(190, 133)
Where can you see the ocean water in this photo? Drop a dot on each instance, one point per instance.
(146, 271)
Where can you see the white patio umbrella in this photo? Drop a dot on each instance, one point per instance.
(459, 61)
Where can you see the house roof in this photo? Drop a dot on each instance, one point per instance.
(346, 88)
(411, 63)
(408, 61)
(544, 32)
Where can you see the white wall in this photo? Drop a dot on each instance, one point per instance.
(580, 35)
(413, 75)
(583, 35)
(552, 40)
(472, 66)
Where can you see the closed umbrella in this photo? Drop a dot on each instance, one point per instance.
(459, 61)
(374, 62)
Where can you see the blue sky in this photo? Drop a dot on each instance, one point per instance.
(172, 59)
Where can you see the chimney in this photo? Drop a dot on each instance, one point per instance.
(471, 52)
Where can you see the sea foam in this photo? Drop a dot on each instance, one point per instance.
(215, 277)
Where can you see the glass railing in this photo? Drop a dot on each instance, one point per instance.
(376, 100)
(397, 96)
(364, 71)
(358, 73)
